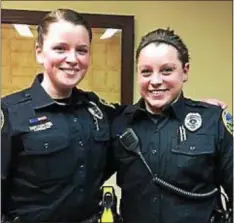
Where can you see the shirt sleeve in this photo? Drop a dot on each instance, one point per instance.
(225, 155)
(111, 164)
(6, 151)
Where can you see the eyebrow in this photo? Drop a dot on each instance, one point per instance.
(168, 65)
(64, 43)
(85, 46)
(144, 66)
(163, 65)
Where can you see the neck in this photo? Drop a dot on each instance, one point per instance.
(53, 91)
(152, 110)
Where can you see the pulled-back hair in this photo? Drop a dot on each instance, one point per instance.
(166, 36)
(61, 14)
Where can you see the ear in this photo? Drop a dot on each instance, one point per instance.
(39, 53)
(186, 71)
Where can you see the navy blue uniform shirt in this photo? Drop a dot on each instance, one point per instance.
(53, 155)
(187, 146)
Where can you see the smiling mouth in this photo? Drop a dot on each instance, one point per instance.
(158, 92)
(69, 71)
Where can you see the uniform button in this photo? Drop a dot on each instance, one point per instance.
(81, 143)
(46, 145)
(154, 151)
(75, 119)
(155, 199)
(192, 147)
(81, 166)
(81, 189)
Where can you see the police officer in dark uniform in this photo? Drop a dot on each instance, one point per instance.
(172, 154)
(54, 136)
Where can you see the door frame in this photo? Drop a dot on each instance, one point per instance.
(125, 23)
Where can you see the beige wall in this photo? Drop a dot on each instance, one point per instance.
(206, 27)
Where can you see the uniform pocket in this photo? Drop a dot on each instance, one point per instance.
(194, 157)
(103, 133)
(100, 145)
(195, 145)
(49, 156)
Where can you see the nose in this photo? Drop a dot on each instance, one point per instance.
(156, 79)
(71, 57)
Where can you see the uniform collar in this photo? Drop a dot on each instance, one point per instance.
(136, 110)
(138, 107)
(41, 99)
(175, 109)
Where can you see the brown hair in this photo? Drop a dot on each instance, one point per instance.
(61, 14)
(166, 36)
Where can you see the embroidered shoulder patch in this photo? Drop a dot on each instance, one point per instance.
(228, 121)
(106, 103)
(2, 119)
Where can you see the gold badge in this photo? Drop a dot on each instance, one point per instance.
(2, 119)
(227, 121)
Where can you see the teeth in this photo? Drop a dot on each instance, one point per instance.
(69, 71)
(157, 92)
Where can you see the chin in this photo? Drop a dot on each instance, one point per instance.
(72, 83)
(157, 107)
(157, 103)
(68, 85)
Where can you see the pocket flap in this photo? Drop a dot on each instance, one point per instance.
(195, 145)
(40, 145)
(103, 133)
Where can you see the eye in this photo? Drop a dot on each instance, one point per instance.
(82, 51)
(167, 70)
(59, 49)
(146, 72)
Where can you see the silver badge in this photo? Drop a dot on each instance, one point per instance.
(193, 121)
(95, 110)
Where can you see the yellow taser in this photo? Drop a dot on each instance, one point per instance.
(108, 197)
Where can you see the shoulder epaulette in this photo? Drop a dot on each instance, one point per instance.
(194, 103)
(96, 99)
(92, 96)
(17, 97)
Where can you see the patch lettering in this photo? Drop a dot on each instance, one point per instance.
(39, 124)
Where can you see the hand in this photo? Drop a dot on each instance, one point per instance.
(214, 101)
